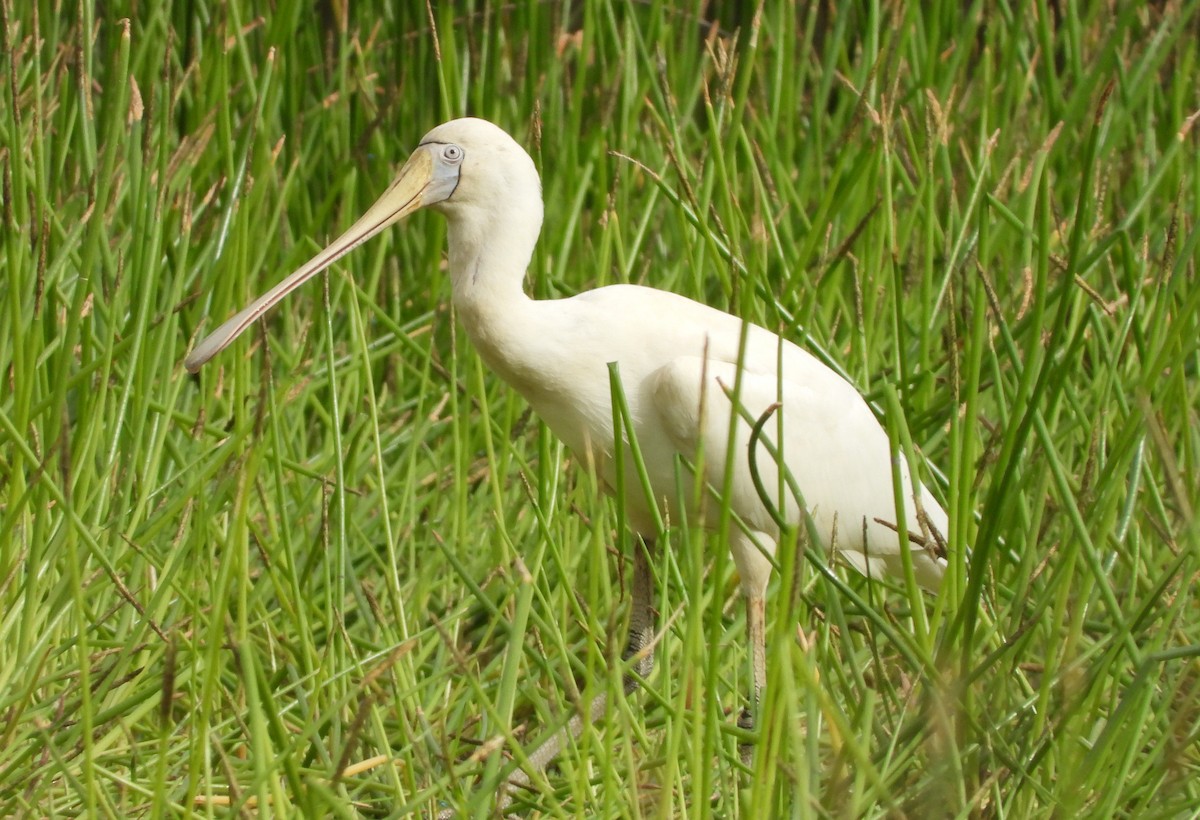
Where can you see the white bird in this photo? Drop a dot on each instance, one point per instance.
(678, 361)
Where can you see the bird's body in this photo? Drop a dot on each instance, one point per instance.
(688, 350)
(677, 360)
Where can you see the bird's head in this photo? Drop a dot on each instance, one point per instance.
(468, 169)
(473, 165)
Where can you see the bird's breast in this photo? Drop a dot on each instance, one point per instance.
(557, 355)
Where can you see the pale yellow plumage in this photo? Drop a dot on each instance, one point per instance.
(671, 352)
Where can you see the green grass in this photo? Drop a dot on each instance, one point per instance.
(346, 543)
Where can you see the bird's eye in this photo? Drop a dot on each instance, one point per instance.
(452, 153)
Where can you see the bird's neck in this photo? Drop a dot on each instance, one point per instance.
(488, 259)
(487, 269)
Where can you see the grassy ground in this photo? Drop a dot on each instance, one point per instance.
(344, 572)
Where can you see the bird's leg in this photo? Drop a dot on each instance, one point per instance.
(756, 631)
(639, 645)
(754, 566)
(641, 617)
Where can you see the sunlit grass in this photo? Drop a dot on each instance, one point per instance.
(344, 571)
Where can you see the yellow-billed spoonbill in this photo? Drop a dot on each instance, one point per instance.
(677, 361)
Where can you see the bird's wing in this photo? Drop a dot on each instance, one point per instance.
(833, 447)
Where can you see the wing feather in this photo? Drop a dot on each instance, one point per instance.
(831, 442)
